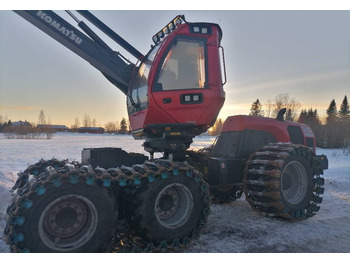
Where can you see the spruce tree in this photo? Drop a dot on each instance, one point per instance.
(302, 116)
(123, 126)
(289, 115)
(256, 109)
(332, 109)
(344, 108)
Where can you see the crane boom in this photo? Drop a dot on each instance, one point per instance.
(108, 31)
(91, 48)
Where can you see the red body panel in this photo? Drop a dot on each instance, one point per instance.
(204, 114)
(277, 128)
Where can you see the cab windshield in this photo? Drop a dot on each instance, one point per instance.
(183, 67)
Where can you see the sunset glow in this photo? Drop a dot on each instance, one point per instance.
(303, 53)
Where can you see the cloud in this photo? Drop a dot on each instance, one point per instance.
(19, 108)
(295, 81)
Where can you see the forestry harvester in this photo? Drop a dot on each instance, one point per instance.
(117, 201)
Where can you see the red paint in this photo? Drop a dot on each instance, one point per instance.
(277, 128)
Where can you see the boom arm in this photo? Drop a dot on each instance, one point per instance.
(92, 49)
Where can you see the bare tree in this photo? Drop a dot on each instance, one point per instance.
(285, 101)
(111, 127)
(42, 120)
(76, 124)
(2, 120)
(117, 126)
(94, 122)
(268, 107)
(86, 121)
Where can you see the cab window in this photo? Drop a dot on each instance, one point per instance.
(138, 94)
(295, 134)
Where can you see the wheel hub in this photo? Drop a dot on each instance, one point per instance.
(287, 182)
(68, 223)
(294, 182)
(168, 204)
(173, 206)
(66, 218)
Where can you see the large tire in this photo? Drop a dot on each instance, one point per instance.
(226, 194)
(172, 207)
(283, 180)
(65, 212)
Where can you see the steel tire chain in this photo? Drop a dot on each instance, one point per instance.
(123, 176)
(34, 183)
(265, 197)
(37, 169)
(128, 241)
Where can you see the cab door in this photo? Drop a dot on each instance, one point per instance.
(180, 84)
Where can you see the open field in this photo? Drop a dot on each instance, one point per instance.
(231, 228)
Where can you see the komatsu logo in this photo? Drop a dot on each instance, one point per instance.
(57, 26)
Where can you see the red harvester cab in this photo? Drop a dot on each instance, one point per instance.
(177, 90)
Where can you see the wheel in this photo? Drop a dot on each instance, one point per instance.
(284, 180)
(63, 213)
(226, 194)
(172, 208)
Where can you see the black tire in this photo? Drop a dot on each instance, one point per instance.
(171, 209)
(283, 180)
(226, 194)
(64, 214)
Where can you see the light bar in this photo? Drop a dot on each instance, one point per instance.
(178, 20)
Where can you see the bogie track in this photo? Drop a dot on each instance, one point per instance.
(119, 189)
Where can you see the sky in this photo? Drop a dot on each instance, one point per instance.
(303, 53)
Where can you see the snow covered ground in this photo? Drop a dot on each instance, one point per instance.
(231, 228)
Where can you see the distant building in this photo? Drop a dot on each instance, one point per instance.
(91, 130)
(21, 123)
(55, 128)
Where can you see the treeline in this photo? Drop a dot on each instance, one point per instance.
(121, 127)
(335, 131)
(26, 129)
(332, 131)
(23, 130)
(112, 127)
